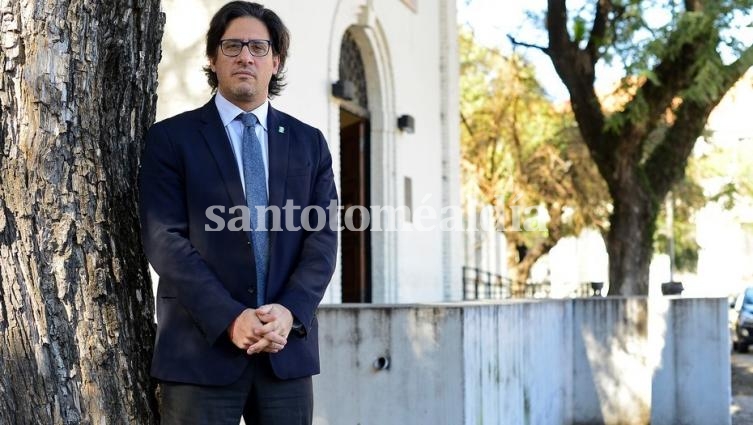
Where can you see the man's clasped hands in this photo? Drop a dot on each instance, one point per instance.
(264, 329)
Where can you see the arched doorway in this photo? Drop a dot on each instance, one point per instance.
(355, 174)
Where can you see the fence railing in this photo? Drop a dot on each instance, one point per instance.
(589, 289)
(483, 285)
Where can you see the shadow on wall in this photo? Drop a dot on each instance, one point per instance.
(643, 362)
(630, 361)
(614, 360)
(696, 358)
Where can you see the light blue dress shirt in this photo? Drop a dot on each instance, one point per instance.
(234, 129)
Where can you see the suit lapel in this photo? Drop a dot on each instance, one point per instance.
(215, 137)
(278, 136)
(279, 144)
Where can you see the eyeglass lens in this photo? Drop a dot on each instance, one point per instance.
(255, 47)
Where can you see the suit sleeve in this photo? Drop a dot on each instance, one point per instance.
(308, 282)
(164, 233)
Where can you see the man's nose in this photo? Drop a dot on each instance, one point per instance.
(245, 55)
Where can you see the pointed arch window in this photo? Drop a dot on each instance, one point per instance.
(351, 69)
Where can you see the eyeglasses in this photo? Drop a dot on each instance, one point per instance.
(233, 47)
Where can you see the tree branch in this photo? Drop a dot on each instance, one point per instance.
(667, 163)
(599, 30)
(556, 24)
(672, 75)
(669, 159)
(515, 42)
(693, 5)
(675, 73)
(734, 71)
(576, 70)
(467, 125)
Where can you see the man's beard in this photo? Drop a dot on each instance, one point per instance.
(245, 92)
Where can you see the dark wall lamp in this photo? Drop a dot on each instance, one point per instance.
(344, 89)
(406, 123)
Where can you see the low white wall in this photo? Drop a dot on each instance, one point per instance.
(515, 358)
(423, 383)
(693, 383)
(582, 361)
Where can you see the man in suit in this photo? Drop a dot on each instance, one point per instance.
(236, 323)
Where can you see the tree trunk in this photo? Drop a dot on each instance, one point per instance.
(519, 269)
(521, 273)
(630, 242)
(76, 310)
(517, 285)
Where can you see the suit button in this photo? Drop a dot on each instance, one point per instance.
(251, 291)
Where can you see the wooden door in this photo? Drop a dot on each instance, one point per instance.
(354, 184)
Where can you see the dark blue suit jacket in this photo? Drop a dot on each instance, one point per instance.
(207, 278)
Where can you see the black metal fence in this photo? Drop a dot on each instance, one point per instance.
(483, 285)
(589, 289)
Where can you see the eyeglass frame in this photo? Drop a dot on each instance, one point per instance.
(247, 45)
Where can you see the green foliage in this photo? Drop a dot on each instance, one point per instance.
(643, 32)
(677, 60)
(579, 29)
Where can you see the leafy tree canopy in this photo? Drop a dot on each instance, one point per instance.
(679, 58)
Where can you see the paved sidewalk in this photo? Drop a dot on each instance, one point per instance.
(742, 389)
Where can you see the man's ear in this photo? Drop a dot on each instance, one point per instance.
(276, 63)
(211, 64)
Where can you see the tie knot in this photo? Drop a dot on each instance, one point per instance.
(248, 119)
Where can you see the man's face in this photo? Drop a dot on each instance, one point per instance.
(244, 79)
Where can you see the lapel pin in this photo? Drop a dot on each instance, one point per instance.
(281, 129)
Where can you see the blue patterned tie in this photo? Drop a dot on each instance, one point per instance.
(254, 177)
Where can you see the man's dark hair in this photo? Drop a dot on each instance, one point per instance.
(278, 33)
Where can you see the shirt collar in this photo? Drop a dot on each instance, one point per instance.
(228, 111)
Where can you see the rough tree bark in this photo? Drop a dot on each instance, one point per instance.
(76, 312)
